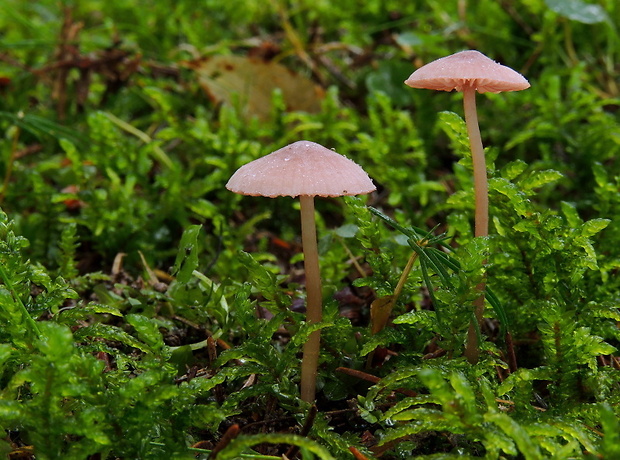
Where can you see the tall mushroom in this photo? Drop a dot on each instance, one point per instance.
(471, 71)
(304, 169)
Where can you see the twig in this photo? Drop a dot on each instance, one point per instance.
(353, 259)
(510, 348)
(211, 349)
(373, 379)
(357, 454)
(297, 43)
(231, 433)
(305, 430)
(381, 309)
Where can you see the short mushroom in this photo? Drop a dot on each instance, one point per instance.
(304, 169)
(471, 71)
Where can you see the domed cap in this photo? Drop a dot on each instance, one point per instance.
(301, 168)
(467, 68)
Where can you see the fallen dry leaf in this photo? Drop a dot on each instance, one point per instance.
(252, 81)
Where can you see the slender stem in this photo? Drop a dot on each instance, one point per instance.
(481, 187)
(472, 349)
(381, 308)
(314, 309)
(403, 277)
(481, 196)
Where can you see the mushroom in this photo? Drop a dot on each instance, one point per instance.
(304, 169)
(471, 71)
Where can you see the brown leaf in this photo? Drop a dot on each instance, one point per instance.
(253, 81)
(380, 311)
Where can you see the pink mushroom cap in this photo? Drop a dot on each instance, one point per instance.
(467, 69)
(301, 168)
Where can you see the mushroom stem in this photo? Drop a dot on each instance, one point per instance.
(481, 187)
(481, 197)
(310, 360)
